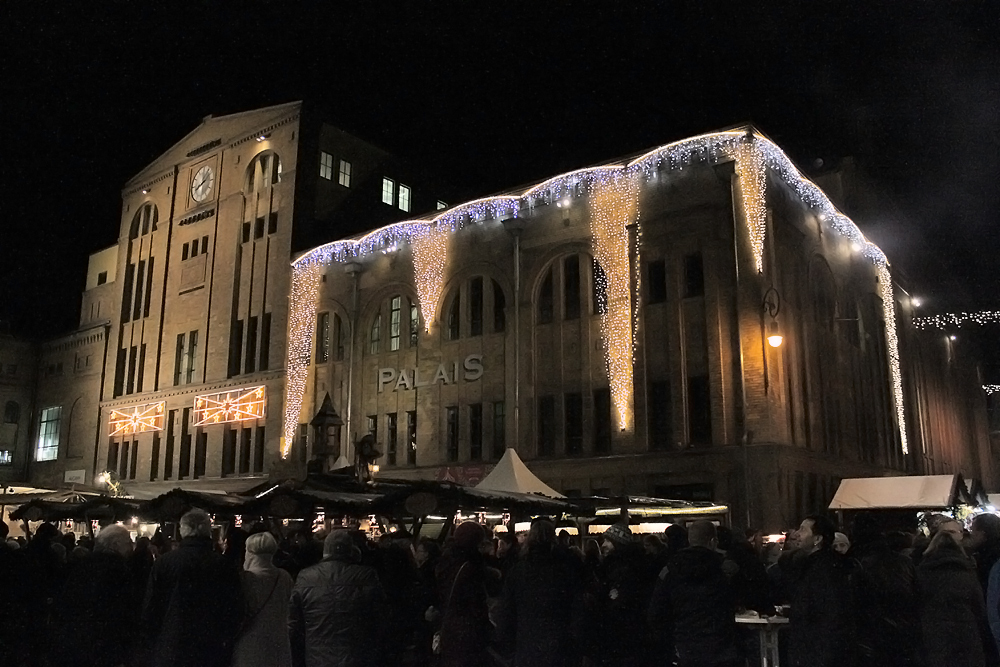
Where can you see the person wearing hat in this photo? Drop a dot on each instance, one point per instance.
(627, 576)
(336, 608)
(263, 638)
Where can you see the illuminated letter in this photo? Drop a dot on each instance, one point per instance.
(385, 376)
(473, 367)
(403, 381)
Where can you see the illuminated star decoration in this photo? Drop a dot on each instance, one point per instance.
(137, 419)
(755, 156)
(956, 320)
(230, 406)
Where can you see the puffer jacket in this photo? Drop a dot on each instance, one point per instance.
(334, 614)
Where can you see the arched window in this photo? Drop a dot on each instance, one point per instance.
(261, 206)
(11, 413)
(499, 308)
(263, 172)
(375, 336)
(546, 299)
(395, 321)
(455, 317)
(144, 221)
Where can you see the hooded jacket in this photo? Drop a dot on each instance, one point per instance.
(952, 610)
(694, 602)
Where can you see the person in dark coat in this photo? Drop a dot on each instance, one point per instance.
(886, 601)
(627, 577)
(952, 609)
(97, 607)
(694, 603)
(336, 609)
(820, 623)
(193, 606)
(536, 609)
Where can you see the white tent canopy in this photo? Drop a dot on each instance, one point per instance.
(511, 475)
(917, 492)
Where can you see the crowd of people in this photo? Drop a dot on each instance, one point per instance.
(263, 597)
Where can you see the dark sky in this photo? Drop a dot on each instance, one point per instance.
(494, 94)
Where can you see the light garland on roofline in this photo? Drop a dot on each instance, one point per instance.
(991, 388)
(754, 155)
(956, 320)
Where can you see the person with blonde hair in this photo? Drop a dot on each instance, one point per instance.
(263, 638)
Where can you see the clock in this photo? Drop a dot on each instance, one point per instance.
(201, 184)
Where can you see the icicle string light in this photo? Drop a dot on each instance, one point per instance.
(892, 345)
(956, 320)
(613, 206)
(703, 149)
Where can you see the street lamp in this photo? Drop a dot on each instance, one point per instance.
(771, 305)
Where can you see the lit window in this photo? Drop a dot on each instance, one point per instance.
(323, 338)
(48, 435)
(376, 334)
(404, 197)
(394, 313)
(388, 191)
(6, 457)
(441, 205)
(326, 166)
(414, 323)
(344, 175)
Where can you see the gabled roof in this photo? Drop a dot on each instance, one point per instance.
(510, 475)
(917, 492)
(226, 129)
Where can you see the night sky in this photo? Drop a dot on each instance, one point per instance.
(489, 95)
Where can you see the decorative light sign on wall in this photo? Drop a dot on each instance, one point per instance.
(230, 406)
(136, 419)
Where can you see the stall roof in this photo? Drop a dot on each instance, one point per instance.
(510, 475)
(916, 492)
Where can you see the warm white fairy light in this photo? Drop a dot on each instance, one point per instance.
(991, 388)
(759, 157)
(892, 345)
(430, 255)
(956, 320)
(613, 206)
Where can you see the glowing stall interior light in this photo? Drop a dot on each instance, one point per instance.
(230, 406)
(614, 206)
(430, 255)
(946, 320)
(753, 186)
(136, 419)
(892, 346)
(755, 158)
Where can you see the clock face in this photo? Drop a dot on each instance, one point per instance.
(201, 184)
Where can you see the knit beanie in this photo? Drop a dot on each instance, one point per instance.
(618, 533)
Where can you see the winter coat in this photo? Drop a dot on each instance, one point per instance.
(537, 606)
(820, 622)
(263, 639)
(887, 608)
(193, 607)
(627, 578)
(465, 623)
(993, 603)
(334, 615)
(695, 603)
(97, 609)
(952, 610)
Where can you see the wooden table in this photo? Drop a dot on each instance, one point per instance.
(768, 627)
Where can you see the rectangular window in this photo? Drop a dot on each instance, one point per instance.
(134, 460)
(373, 426)
(602, 421)
(258, 451)
(476, 431)
(325, 166)
(258, 228)
(192, 355)
(388, 191)
(455, 317)
(600, 288)
(179, 360)
(48, 434)
(545, 300)
(375, 337)
(250, 363)
(168, 454)
(265, 342)
(123, 461)
(120, 362)
(404, 197)
(656, 276)
(102, 277)
(272, 222)
(154, 458)
(451, 433)
(228, 452)
(660, 413)
(694, 275)
(571, 287)
(130, 380)
(6, 457)
(499, 308)
(246, 232)
(245, 450)
(194, 248)
(184, 461)
(476, 306)
(395, 306)
(149, 289)
(141, 368)
(184, 252)
(322, 338)
(204, 245)
(546, 425)
(699, 411)
(499, 429)
(344, 175)
(127, 292)
(414, 324)
(411, 437)
(338, 337)
(235, 348)
(112, 464)
(574, 423)
(391, 437)
(200, 454)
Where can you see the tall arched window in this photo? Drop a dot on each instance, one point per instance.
(261, 214)
(455, 317)
(144, 221)
(375, 336)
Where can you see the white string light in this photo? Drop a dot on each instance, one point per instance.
(991, 388)
(950, 320)
(753, 157)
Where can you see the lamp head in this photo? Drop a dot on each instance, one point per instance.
(774, 337)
